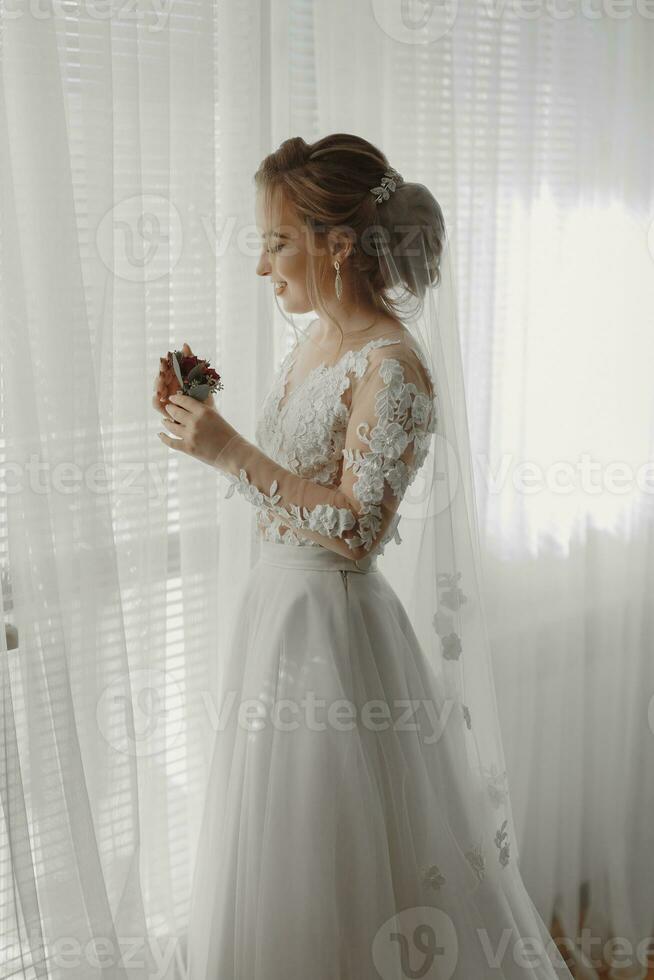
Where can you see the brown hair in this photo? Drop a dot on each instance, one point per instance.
(328, 183)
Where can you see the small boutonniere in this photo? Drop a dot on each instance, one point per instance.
(182, 371)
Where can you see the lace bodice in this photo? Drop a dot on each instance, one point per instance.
(360, 428)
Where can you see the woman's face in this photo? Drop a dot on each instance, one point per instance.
(285, 253)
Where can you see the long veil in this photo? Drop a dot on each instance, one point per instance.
(436, 570)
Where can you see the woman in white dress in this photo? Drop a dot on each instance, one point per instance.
(356, 824)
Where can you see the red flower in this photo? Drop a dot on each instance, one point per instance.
(188, 363)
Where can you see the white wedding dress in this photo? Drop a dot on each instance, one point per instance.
(339, 839)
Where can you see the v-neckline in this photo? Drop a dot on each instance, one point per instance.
(283, 394)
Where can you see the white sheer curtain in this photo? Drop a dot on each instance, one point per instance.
(127, 148)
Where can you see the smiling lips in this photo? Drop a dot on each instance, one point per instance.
(280, 286)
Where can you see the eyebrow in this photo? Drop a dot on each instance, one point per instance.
(275, 234)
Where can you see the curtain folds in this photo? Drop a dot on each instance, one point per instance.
(127, 149)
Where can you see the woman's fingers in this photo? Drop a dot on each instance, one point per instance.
(176, 413)
(172, 442)
(164, 382)
(158, 404)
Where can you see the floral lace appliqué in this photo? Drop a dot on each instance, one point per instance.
(451, 595)
(452, 646)
(308, 437)
(434, 877)
(502, 843)
(403, 414)
(330, 521)
(496, 783)
(477, 861)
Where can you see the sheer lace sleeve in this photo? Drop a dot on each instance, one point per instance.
(387, 440)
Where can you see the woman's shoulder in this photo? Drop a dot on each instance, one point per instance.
(400, 345)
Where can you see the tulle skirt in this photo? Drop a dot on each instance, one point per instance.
(341, 839)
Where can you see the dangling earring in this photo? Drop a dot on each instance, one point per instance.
(339, 281)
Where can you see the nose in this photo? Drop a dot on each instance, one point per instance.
(263, 265)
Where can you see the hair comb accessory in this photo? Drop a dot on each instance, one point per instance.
(389, 182)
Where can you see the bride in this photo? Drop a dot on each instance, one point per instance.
(357, 821)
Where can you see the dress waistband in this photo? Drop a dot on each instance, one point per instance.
(311, 557)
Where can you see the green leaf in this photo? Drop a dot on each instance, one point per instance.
(200, 392)
(195, 372)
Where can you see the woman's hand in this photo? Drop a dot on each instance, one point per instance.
(201, 431)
